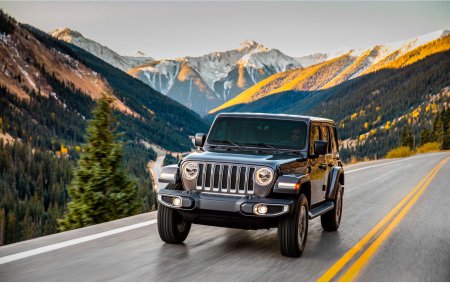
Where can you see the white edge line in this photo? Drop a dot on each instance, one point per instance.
(387, 163)
(41, 250)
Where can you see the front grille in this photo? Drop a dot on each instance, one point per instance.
(225, 178)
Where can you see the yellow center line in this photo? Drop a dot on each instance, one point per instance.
(330, 273)
(356, 268)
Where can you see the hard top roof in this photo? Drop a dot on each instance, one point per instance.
(276, 116)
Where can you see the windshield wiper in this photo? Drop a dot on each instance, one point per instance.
(229, 142)
(269, 146)
(265, 145)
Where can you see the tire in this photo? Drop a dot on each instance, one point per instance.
(172, 227)
(332, 219)
(293, 229)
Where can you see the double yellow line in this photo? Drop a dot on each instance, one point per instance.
(403, 206)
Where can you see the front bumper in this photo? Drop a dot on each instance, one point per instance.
(236, 204)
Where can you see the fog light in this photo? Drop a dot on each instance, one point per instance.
(261, 209)
(176, 201)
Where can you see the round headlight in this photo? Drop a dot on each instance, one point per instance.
(190, 170)
(263, 176)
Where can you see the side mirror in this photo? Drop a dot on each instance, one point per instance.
(320, 147)
(199, 139)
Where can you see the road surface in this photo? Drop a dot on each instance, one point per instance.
(395, 227)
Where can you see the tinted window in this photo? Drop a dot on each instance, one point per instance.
(315, 136)
(253, 131)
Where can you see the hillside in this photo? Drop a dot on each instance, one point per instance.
(345, 67)
(162, 120)
(204, 82)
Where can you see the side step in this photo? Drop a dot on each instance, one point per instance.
(321, 209)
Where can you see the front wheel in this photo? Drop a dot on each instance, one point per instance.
(172, 227)
(293, 229)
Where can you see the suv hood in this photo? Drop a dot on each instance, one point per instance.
(239, 157)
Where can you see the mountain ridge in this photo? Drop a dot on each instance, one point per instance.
(332, 72)
(103, 52)
(218, 75)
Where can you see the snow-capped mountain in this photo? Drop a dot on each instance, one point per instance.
(323, 71)
(124, 63)
(202, 83)
(318, 58)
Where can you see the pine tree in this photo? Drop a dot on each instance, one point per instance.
(100, 191)
(437, 132)
(406, 139)
(445, 117)
(425, 136)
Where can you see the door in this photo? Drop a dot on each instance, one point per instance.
(316, 168)
(329, 160)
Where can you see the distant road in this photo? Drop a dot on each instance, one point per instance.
(395, 227)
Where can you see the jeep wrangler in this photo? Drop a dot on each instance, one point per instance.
(256, 171)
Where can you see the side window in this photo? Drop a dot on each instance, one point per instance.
(334, 148)
(315, 136)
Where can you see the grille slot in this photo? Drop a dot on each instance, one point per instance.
(225, 178)
(207, 184)
(200, 175)
(242, 180)
(250, 180)
(216, 178)
(225, 174)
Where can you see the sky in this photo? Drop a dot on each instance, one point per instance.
(174, 29)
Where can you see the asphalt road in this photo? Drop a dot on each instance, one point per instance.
(412, 245)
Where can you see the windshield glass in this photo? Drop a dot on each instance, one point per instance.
(285, 134)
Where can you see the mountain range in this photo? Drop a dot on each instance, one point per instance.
(218, 80)
(328, 70)
(202, 83)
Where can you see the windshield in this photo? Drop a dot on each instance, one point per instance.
(285, 134)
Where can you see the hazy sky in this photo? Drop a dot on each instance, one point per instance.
(174, 29)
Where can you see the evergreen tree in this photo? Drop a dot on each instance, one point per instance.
(406, 139)
(100, 191)
(445, 117)
(425, 136)
(437, 133)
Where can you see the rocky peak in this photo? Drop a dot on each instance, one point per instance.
(65, 32)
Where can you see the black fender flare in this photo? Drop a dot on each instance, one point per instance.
(290, 183)
(170, 174)
(333, 180)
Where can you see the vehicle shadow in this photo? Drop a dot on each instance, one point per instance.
(222, 254)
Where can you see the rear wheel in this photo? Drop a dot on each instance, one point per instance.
(293, 229)
(332, 219)
(172, 227)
